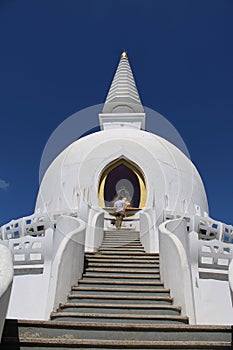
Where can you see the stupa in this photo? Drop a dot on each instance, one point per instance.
(74, 210)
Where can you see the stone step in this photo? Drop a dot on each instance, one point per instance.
(143, 309)
(123, 230)
(125, 237)
(117, 238)
(120, 241)
(130, 254)
(119, 319)
(115, 234)
(116, 256)
(123, 241)
(120, 291)
(128, 241)
(128, 245)
(123, 264)
(121, 249)
(112, 276)
(96, 298)
(115, 332)
(135, 284)
(131, 248)
(85, 344)
(109, 269)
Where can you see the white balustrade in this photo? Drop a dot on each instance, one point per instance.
(148, 231)
(214, 255)
(207, 228)
(28, 254)
(227, 233)
(175, 265)
(33, 225)
(215, 248)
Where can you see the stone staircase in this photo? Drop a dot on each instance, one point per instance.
(120, 303)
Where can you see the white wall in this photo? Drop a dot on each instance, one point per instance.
(68, 260)
(148, 230)
(174, 266)
(29, 292)
(212, 295)
(34, 296)
(231, 280)
(95, 230)
(203, 292)
(215, 304)
(168, 172)
(6, 277)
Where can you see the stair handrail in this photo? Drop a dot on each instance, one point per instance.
(32, 225)
(174, 267)
(148, 230)
(6, 279)
(68, 259)
(95, 229)
(230, 276)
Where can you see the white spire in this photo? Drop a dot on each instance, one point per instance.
(123, 94)
(123, 104)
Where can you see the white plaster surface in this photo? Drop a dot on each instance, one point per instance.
(174, 267)
(231, 280)
(210, 299)
(71, 184)
(68, 261)
(6, 269)
(29, 292)
(6, 277)
(35, 296)
(73, 176)
(95, 230)
(215, 305)
(148, 230)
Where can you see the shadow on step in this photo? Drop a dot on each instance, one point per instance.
(10, 336)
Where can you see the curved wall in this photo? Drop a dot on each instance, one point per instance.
(172, 181)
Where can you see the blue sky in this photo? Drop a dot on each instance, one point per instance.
(59, 56)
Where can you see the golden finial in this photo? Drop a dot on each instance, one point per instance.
(124, 54)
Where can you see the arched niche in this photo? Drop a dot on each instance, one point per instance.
(122, 177)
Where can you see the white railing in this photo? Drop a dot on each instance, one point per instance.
(214, 255)
(28, 254)
(231, 280)
(148, 230)
(206, 227)
(95, 229)
(68, 260)
(32, 258)
(214, 250)
(227, 233)
(174, 266)
(209, 258)
(6, 278)
(209, 229)
(34, 225)
(210, 268)
(47, 266)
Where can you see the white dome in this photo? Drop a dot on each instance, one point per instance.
(171, 180)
